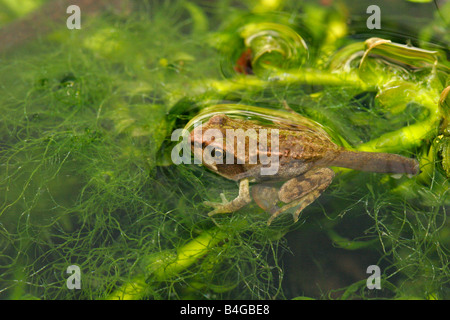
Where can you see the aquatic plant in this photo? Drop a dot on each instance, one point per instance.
(86, 177)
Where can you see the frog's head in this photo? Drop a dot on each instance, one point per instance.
(231, 146)
(209, 143)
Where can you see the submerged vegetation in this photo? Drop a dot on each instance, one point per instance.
(85, 171)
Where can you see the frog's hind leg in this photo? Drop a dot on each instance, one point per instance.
(302, 190)
(230, 206)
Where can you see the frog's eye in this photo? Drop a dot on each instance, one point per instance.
(217, 154)
(212, 154)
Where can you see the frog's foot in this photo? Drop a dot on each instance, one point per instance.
(230, 206)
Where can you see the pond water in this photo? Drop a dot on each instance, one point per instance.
(94, 207)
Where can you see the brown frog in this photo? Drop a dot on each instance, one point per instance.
(303, 155)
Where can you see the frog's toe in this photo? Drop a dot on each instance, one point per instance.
(212, 213)
(296, 215)
(215, 205)
(224, 199)
(218, 207)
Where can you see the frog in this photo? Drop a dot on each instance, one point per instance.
(305, 157)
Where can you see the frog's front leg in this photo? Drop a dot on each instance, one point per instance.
(302, 190)
(230, 206)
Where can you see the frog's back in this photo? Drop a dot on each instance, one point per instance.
(297, 148)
